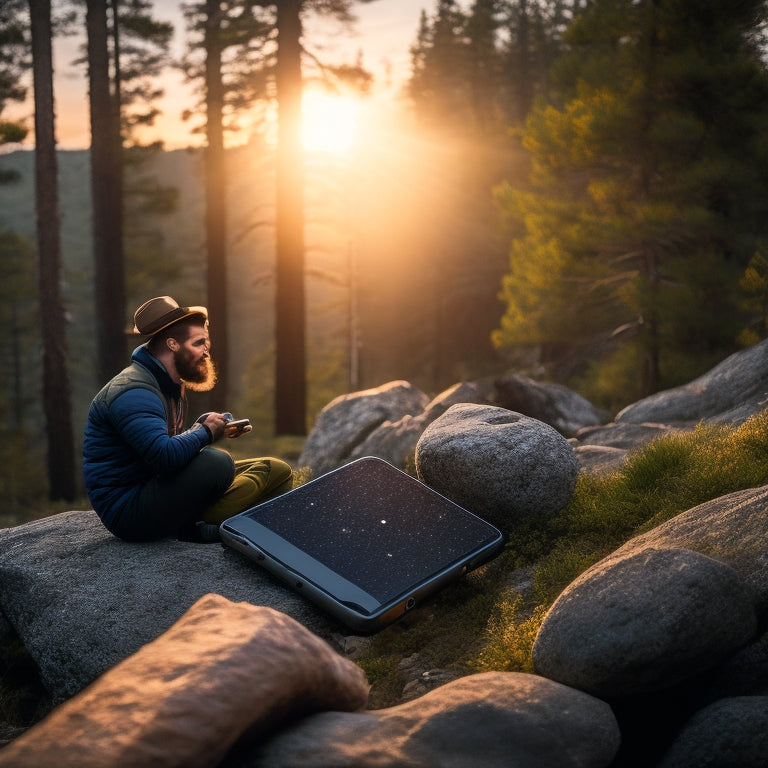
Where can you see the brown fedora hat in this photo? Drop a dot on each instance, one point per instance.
(158, 313)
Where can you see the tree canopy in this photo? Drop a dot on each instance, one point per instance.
(644, 203)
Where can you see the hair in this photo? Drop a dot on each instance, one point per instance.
(179, 331)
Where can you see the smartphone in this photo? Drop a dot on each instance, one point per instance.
(237, 423)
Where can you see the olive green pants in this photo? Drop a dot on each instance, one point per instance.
(255, 481)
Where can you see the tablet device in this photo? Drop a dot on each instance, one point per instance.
(366, 542)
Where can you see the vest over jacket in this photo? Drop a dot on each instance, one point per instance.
(129, 436)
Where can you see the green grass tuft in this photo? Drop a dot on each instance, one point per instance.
(484, 624)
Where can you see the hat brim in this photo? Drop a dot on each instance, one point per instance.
(182, 313)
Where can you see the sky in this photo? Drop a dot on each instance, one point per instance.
(384, 33)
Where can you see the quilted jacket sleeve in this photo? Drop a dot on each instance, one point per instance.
(139, 417)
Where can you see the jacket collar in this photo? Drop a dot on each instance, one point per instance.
(168, 386)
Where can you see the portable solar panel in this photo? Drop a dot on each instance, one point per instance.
(366, 542)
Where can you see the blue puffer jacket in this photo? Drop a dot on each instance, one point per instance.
(127, 437)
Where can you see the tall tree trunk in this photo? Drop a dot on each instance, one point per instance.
(216, 204)
(106, 186)
(290, 374)
(56, 386)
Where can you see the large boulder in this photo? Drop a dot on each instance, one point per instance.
(501, 465)
(222, 671)
(554, 404)
(349, 419)
(731, 528)
(652, 619)
(82, 600)
(729, 393)
(484, 720)
(392, 440)
(731, 732)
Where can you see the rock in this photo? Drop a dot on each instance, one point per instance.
(82, 600)
(605, 448)
(6, 630)
(484, 720)
(464, 392)
(395, 441)
(599, 459)
(498, 464)
(392, 441)
(729, 732)
(731, 392)
(349, 419)
(554, 404)
(625, 436)
(427, 681)
(644, 622)
(743, 674)
(221, 671)
(731, 529)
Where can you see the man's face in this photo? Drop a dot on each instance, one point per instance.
(193, 360)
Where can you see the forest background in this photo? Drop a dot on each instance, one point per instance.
(575, 189)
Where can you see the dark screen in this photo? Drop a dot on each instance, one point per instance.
(376, 526)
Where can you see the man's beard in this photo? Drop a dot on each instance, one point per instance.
(199, 376)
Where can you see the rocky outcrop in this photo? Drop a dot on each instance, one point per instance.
(653, 618)
(554, 404)
(82, 600)
(491, 720)
(350, 419)
(662, 642)
(668, 624)
(498, 464)
(388, 421)
(729, 393)
(222, 671)
(395, 441)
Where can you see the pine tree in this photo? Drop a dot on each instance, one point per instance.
(439, 85)
(260, 62)
(56, 386)
(645, 178)
(14, 62)
(126, 51)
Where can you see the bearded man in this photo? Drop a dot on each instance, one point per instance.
(146, 476)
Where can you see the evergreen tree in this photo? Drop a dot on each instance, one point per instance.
(56, 385)
(256, 59)
(106, 195)
(225, 57)
(439, 84)
(127, 50)
(14, 48)
(533, 40)
(485, 65)
(646, 183)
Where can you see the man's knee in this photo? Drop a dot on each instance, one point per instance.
(216, 466)
(280, 471)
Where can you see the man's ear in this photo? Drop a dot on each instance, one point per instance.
(173, 345)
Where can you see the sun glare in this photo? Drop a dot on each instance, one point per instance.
(330, 122)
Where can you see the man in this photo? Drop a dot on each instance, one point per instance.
(146, 476)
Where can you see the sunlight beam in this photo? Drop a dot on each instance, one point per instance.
(330, 122)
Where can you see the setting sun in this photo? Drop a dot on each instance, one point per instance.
(330, 122)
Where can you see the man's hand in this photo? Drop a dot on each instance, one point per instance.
(216, 423)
